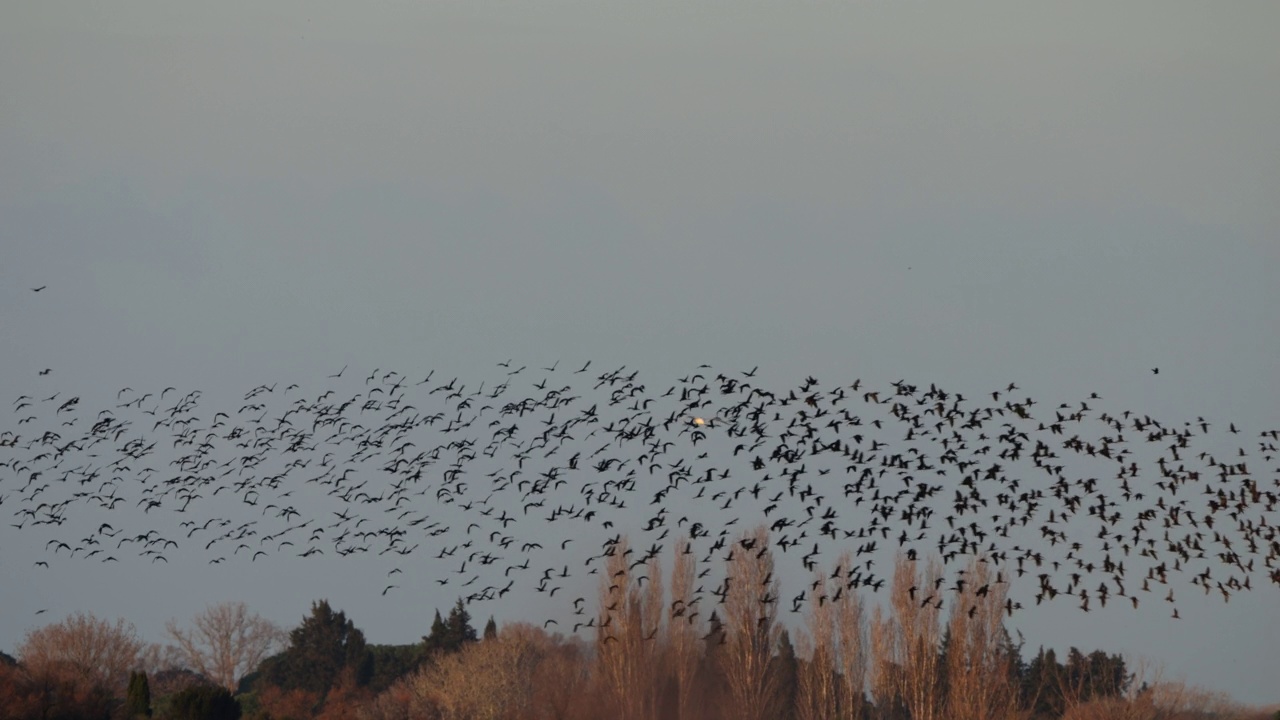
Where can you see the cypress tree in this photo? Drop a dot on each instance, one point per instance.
(435, 641)
(138, 698)
(491, 629)
(786, 665)
(460, 631)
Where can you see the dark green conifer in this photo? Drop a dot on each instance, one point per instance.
(450, 635)
(138, 698)
(204, 702)
(460, 631)
(434, 642)
(324, 647)
(786, 665)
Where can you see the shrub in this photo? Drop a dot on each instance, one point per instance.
(205, 702)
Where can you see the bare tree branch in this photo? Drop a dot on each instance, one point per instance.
(226, 643)
(93, 648)
(750, 620)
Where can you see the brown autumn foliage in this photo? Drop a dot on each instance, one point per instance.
(95, 650)
(486, 680)
(391, 704)
(343, 700)
(655, 655)
(51, 693)
(275, 702)
(561, 681)
(1152, 697)
(649, 659)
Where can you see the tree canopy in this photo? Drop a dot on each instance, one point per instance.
(325, 649)
(450, 635)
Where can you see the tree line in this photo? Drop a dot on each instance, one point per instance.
(654, 653)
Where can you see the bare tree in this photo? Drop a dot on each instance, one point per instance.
(915, 633)
(158, 658)
(884, 678)
(816, 691)
(683, 628)
(1151, 697)
(620, 662)
(391, 704)
(752, 630)
(483, 681)
(653, 642)
(561, 682)
(51, 692)
(226, 643)
(86, 646)
(979, 669)
(850, 625)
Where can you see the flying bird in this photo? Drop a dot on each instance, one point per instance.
(576, 458)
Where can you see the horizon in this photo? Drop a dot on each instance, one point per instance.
(215, 198)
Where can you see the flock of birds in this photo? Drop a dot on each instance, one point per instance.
(515, 481)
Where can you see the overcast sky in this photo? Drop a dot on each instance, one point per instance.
(223, 194)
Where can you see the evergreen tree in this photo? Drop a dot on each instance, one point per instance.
(460, 631)
(944, 657)
(1108, 676)
(322, 649)
(491, 629)
(1048, 686)
(204, 702)
(710, 665)
(448, 636)
(138, 698)
(1078, 676)
(435, 641)
(1041, 689)
(786, 666)
(392, 662)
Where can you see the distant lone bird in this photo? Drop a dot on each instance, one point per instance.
(39, 288)
(1155, 371)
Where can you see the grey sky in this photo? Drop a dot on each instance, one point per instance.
(224, 194)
